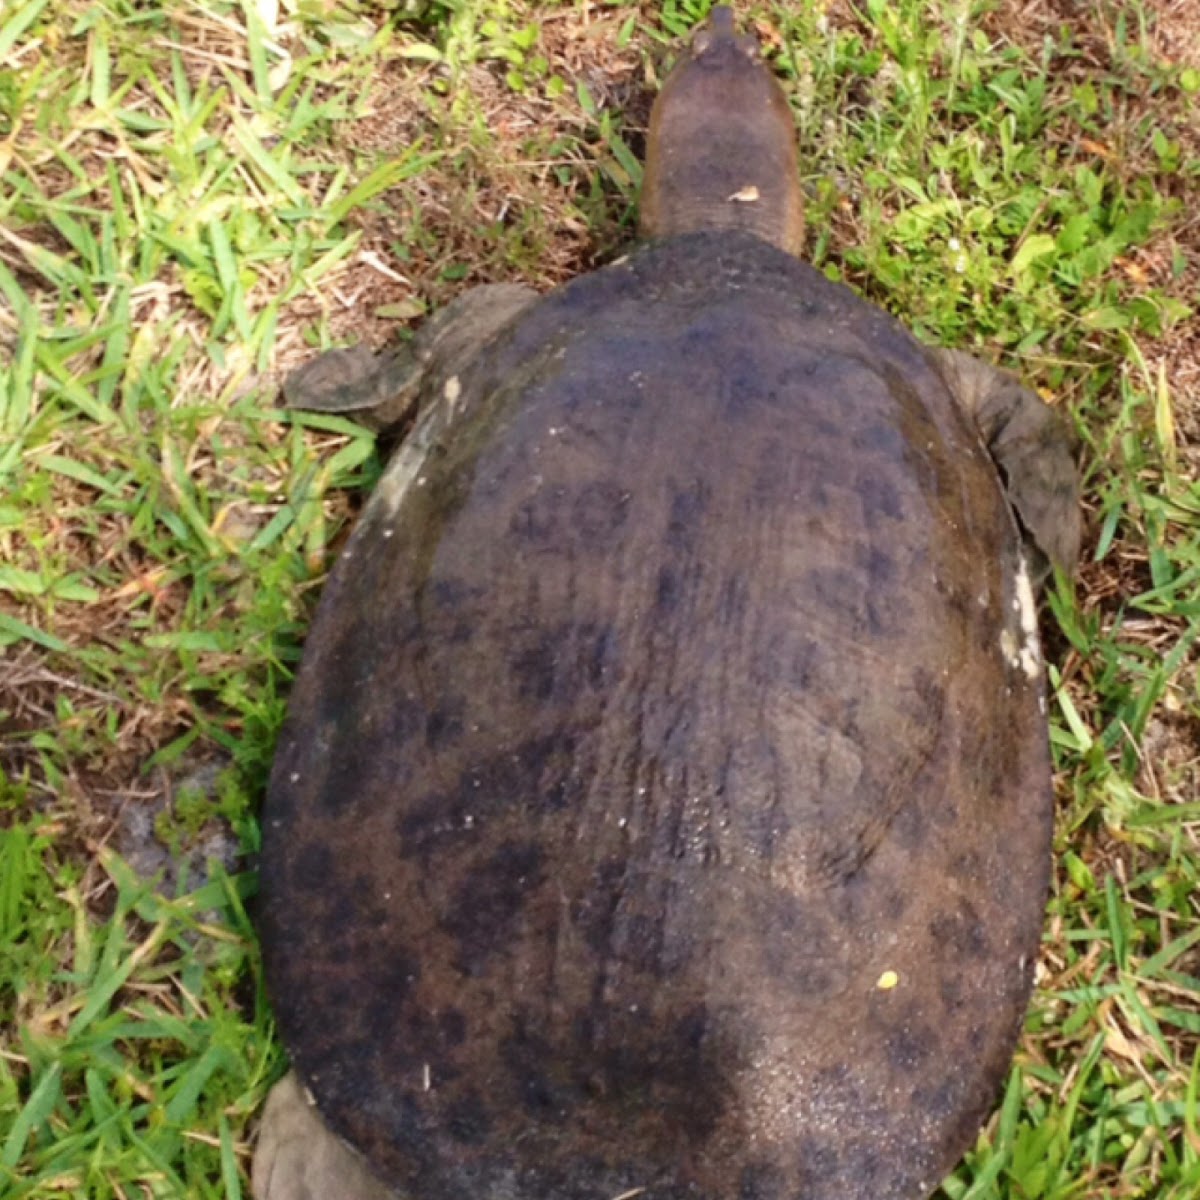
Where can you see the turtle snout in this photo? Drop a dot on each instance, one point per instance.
(718, 40)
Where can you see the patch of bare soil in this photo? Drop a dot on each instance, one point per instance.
(512, 196)
(1176, 32)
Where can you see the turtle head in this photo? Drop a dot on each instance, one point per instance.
(722, 147)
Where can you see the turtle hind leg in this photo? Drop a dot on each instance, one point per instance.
(381, 390)
(1034, 450)
(299, 1158)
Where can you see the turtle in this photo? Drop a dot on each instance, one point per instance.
(664, 803)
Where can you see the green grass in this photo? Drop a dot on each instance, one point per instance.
(193, 198)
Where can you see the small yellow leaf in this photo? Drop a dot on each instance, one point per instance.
(150, 584)
(1134, 270)
(887, 981)
(747, 195)
(768, 33)
(1116, 1042)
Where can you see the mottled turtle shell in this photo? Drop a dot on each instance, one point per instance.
(664, 805)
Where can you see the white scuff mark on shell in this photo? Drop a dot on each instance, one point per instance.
(1021, 648)
(746, 195)
(406, 465)
(393, 485)
(1009, 647)
(1031, 661)
(1031, 653)
(1025, 602)
(452, 390)
(427, 1077)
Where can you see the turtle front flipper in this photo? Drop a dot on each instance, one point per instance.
(377, 390)
(299, 1158)
(380, 390)
(1033, 448)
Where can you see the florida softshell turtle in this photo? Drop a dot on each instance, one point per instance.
(664, 805)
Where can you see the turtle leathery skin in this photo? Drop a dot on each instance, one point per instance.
(722, 147)
(664, 805)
